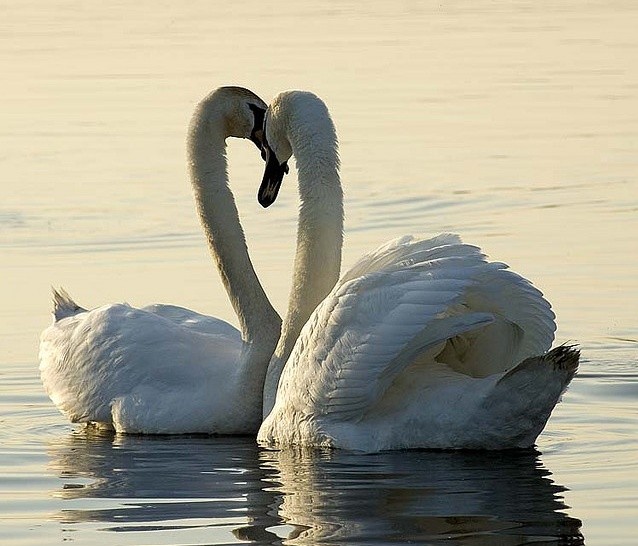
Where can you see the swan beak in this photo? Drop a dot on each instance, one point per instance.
(273, 177)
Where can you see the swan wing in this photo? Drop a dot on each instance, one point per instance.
(398, 302)
(403, 250)
(186, 318)
(92, 358)
(360, 337)
(520, 307)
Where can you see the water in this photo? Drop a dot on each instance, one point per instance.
(514, 124)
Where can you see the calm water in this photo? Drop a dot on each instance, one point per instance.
(512, 123)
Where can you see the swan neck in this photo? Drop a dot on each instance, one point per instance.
(319, 243)
(219, 217)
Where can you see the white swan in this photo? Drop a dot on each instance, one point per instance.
(422, 344)
(164, 369)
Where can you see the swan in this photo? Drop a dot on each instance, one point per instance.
(164, 369)
(423, 343)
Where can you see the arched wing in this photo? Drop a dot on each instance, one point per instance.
(374, 322)
(399, 301)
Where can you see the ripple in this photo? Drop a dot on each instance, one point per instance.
(12, 219)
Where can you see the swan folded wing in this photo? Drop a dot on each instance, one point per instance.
(369, 328)
(204, 324)
(91, 359)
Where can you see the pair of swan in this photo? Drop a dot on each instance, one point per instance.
(422, 343)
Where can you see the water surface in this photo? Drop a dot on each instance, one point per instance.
(514, 124)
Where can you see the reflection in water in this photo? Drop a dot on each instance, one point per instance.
(161, 483)
(452, 497)
(143, 484)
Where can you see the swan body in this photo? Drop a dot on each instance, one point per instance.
(164, 369)
(423, 343)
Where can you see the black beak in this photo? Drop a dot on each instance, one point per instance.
(273, 177)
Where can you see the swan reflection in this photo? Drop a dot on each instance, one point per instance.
(203, 489)
(503, 498)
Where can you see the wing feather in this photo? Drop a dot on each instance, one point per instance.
(407, 297)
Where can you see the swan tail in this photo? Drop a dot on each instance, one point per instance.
(63, 305)
(528, 394)
(562, 360)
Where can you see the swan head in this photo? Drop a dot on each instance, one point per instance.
(281, 117)
(296, 123)
(240, 110)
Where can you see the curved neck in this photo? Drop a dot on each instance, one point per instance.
(218, 214)
(319, 240)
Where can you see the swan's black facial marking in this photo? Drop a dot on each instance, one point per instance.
(257, 134)
(273, 177)
(264, 144)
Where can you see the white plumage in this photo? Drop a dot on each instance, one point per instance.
(421, 344)
(165, 369)
(156, 370)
